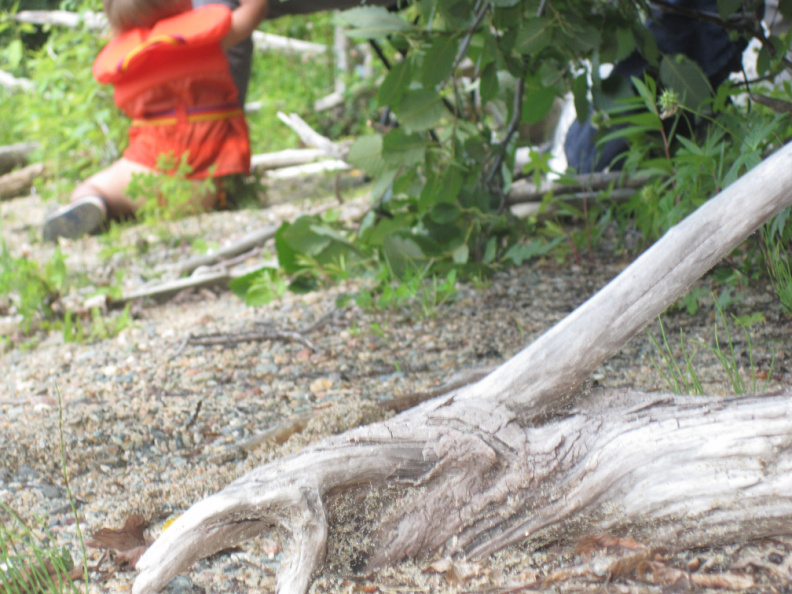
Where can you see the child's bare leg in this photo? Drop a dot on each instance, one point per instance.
(111, 184)
(104, 196)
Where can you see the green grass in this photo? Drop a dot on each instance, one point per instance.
(675, 364)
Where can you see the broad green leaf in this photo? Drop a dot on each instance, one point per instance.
(519, 253)
(420, 109)
(438, 60)
(533, 36)
(726, 8)
(297, 238)
(537, 103)
(646, 44)
(461, 254)
(401, 251)
(785, 8)
(580, 93)
(625, 43)
(491, 251)
(396, 83)
(402, 149)
(13, 53)
(370, 22)
(366, 154)
(686, 77)
(504, 3)
(440, 188)
(488, 83)
(444, 213)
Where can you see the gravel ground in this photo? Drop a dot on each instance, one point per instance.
(151, 424)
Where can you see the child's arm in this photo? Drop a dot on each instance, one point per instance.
(244, 20)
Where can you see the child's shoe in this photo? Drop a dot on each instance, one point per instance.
(76, 219)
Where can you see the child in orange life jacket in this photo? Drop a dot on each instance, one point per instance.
(170, 75)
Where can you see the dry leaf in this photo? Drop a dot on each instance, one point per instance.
(592, 542)
(131, 556)
(627, 565)
(129, 542)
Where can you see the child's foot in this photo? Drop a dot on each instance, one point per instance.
(76, 219)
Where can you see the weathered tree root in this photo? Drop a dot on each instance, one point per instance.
(505, 460)
(655, 464)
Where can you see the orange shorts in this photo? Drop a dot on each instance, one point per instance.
(210, 140)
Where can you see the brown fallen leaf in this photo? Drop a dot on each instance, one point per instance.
(131, 556)
(627, 565)
(129, 542)
(593, 542)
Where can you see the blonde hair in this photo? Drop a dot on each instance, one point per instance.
(124, 15)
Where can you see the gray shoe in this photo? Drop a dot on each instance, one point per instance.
(75, 220)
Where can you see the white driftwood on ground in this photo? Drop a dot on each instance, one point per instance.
(311, 137)
(11, 83)
(285, 158)
(521, 455)
(524, 190)
(325, 166)
(15, 155)
(267, 42)
(18, 183)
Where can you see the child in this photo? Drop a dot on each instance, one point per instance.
(171, 77)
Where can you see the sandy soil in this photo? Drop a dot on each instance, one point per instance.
(151, 424)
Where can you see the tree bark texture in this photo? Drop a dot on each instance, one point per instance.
(525, 455)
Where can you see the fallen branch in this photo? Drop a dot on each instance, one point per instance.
(12, 83)
(16, 155)
(311, 137)
(525, 191)
(229, 340)
(94, 21)
(286, 158)
(18, 183)
(267, 42)
(539, 209)
(308, 169)
(523, 456)
(255, 238)
(161, 291)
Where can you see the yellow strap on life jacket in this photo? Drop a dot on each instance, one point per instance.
(169, 39)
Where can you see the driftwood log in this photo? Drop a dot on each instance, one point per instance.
(16, 155)
(524, 456)
(19, 182)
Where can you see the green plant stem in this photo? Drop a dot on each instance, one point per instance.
(68, 489)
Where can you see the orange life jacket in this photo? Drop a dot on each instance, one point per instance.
(173, 81)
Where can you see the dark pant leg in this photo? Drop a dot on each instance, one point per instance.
(239, 56)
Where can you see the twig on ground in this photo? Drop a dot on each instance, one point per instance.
(222, 339)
